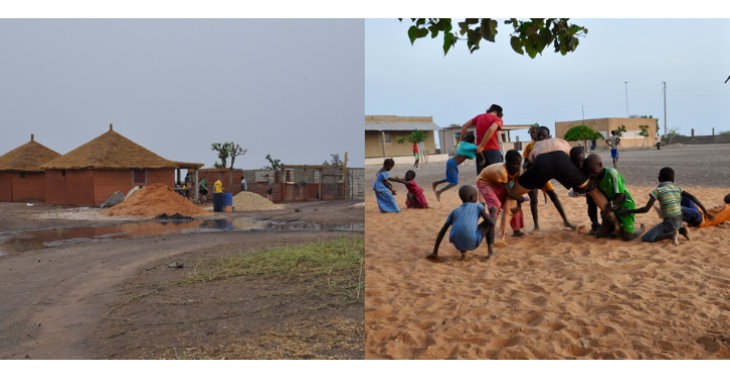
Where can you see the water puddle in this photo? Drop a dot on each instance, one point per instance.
(14, 243)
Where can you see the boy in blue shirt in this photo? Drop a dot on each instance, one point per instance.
(466, 150)
(466, 231)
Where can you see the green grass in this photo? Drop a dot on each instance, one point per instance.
(330, 270)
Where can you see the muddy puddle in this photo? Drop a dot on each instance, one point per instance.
(15, 243)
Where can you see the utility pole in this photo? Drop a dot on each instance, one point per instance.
(584, 114)
(665, 108)
(626, 85)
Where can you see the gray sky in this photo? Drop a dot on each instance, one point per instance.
(290, 88)
(689, 54)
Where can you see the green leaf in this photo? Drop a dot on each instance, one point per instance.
(420, 21)
(448, 42)
(434, 31)
(488, 29)
(532, 29)
(412, 34)
(516, 45)
(421, 33)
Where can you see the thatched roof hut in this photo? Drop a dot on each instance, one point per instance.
(113, 151)
(27, 158)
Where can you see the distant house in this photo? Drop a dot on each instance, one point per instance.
(604, 126)
(21, 176)
(88, 175)
(381, 132)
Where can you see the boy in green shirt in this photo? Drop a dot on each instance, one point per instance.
(610, 182)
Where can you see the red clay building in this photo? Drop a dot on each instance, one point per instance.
(21, 176)
(88, 175)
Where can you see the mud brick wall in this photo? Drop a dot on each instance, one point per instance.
(6, 187)
(295, 193)
(223, 175)
(76, 188)
(32, 187)
(331, 191)
(107, 182)
(260, 189)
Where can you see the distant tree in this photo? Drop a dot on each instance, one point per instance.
(233, 151)
(224, 150)
(275, 164)
(724, 132)
(326, 163)
(454, 126)
(582, 133)
(530, 36)
(417, 136)
(644, 133)
(620, 131)
(336, 162)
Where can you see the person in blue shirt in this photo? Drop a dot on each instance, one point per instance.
(465, 150)
(384, 192)
(466, 231)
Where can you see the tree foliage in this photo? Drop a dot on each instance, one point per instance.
(275, 164)
(644, 130)
(417, 136)
(581, 132)
(224, 151)
(234, 150)
(620, 130)
(528, 36)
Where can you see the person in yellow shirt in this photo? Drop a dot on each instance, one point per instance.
(218, 186)
(547, 189)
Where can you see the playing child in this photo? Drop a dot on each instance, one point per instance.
(494, 185)
(415, 198)
(695, 218)
(384, 192)
(466, 150)
(466, 231)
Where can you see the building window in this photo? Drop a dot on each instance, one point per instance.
(21, 174)
(380, 138)
(139, 176)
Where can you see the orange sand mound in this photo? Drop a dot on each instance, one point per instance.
(557, 294)
(154, 200)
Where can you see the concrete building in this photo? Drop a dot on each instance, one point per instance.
(449, 137)
(21, 176)
(88, 175)
(629, 139)
(382, 131)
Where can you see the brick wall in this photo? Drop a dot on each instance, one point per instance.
(295, 193)
(331, 191)
(260, 189)
(107, 182)
(76, 188)
(32, 187)
(223, 175)
(6, 187)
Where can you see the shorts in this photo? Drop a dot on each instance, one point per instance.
(548, 187)
(552, 165)
(203, 191)
(614, 152)
(418, 156)
(452, 172)
(270, 191)
(668, 225)
(491, 156)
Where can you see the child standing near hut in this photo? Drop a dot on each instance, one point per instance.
(384, 192)
(415, 198)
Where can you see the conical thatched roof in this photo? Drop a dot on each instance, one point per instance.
(111, 151)
(27, 158)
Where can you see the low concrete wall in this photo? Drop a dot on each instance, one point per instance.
(700, 139)
(408, 160)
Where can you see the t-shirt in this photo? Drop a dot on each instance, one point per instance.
(670, 199)
(464, 220)
(496, 174)
(483, 122)
(613, 139)
(612, 184)
(467, 149)
(528, 149)
(268, 183)
(244, 185)
(218, 187)
(202, 184)
(415, 148)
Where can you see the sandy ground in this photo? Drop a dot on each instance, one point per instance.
(557, 294)
(53, 300)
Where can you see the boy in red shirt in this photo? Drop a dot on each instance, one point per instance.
(487, 127)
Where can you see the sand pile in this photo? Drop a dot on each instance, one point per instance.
(554, 294)
(251, 201)
(154, 200)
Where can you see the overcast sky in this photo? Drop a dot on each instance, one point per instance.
(690, 55)
(290, 88)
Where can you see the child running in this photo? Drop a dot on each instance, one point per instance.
(384, 192)
(466, 150)
(694, 218)
(466, 231)
(415, 198)
(611, 183)
(494, 185)
(669, 197)
(543, 133)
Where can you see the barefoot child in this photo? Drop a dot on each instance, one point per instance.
(690, 214)
(611, 183)
(466, 150)
(415, 198)
(466, 231)
(494, 185)
(669, 197)
(384, 192)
